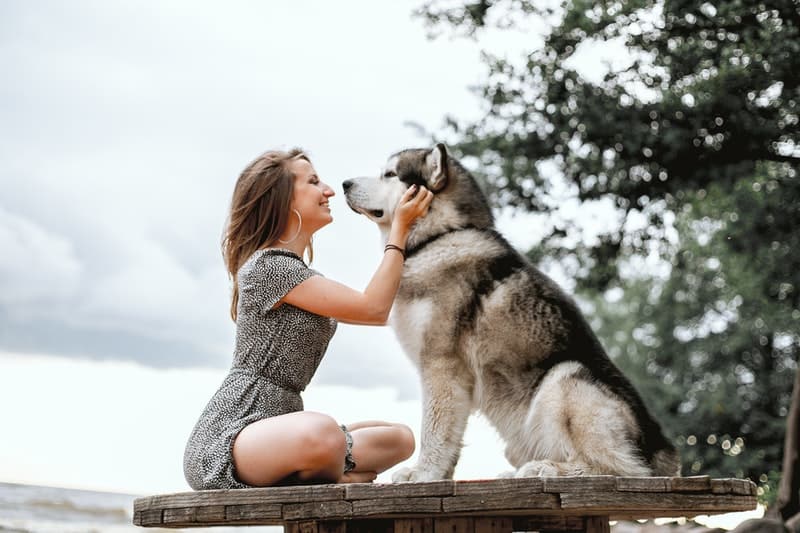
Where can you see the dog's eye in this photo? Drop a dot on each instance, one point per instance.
(389, 174)
(377, 213)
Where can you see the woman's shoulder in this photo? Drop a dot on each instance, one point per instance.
(267, 259)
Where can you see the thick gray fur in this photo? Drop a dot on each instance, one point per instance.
(491, 333)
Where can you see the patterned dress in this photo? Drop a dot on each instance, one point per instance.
(277, 352)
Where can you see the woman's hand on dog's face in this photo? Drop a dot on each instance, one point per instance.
(413, 204)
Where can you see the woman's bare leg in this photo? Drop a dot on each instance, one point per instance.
(310, 445)
(378, 446)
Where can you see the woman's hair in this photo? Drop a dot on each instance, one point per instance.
(260, 210)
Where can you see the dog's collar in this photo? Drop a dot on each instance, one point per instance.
(411, 250)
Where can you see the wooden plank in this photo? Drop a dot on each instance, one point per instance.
(497, 524)
(396, 506)
(254, 511)
(454, 525)
(578, 483)
(324, 509)
(642, 484)
(493, 501)
(195, 515)
(597, 524)
(201, 498)
(372, 491)
(509, 487)
(413, 525)
(742, 487)
(690, 484)
(635, 503)
(152, 517)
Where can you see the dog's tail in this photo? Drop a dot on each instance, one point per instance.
(667, 462)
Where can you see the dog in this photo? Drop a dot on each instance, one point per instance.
(490, 332)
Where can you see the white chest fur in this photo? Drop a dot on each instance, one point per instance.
(410, 321)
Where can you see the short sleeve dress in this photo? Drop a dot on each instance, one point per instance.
(277, 352)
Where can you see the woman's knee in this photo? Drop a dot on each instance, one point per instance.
(405, 441)
(323, 441)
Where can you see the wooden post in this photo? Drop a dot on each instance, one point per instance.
(597, 524)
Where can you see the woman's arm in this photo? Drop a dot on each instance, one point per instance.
(330, 298)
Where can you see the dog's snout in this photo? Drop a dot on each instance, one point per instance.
(347, 184)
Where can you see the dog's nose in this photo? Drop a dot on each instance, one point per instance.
(347, 184)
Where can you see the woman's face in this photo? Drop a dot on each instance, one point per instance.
(310, 196)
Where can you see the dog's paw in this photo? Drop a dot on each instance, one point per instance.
(413, 474)
(508, 474)
(537, 469)
(402, 475)
(549, 469)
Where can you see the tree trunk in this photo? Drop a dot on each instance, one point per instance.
(788, 502)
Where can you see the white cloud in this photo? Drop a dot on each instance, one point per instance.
(37, 267)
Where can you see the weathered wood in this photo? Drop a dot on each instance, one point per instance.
(491, 501)
(392, 506)
(578, 484)
(646, 505)
(372, 491)
(494, 525)
(549, 523)
(253, 511)
(597, 524)
(151, 517)
(326, 509)
(240, 496)
(509, 487)
(454, 525)
(192, 515)
(690, 484)
(413, 525)
(642, 484)
(309, 526)
(537, 504)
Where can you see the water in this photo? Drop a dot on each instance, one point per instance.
(39, 509)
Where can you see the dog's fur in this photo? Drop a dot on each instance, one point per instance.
(490, 332)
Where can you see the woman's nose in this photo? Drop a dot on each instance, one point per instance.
(328, 191)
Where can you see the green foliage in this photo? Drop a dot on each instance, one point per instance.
(718, 332)
(696, 138)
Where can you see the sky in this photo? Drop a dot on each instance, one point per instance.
(123, 127)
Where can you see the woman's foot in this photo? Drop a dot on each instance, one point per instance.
(358, 477)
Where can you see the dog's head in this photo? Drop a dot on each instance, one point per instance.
(377, 197)
(458, 201)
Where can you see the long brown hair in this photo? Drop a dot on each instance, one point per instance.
(260, 210)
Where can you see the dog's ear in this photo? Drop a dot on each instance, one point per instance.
(436, 161)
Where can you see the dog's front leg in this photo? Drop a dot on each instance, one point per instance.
(446, 406)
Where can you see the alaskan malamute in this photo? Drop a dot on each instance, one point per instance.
(490, 332)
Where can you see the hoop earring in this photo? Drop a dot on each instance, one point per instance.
(299, 227)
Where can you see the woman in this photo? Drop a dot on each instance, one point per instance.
(254, 432)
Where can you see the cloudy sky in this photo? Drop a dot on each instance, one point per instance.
(123, 127)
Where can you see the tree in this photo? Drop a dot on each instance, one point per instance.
(695, 142)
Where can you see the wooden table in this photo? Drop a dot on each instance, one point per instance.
(551, 504)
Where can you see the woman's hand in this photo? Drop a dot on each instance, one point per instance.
(413, 204)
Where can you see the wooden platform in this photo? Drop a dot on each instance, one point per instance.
(549, 504)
